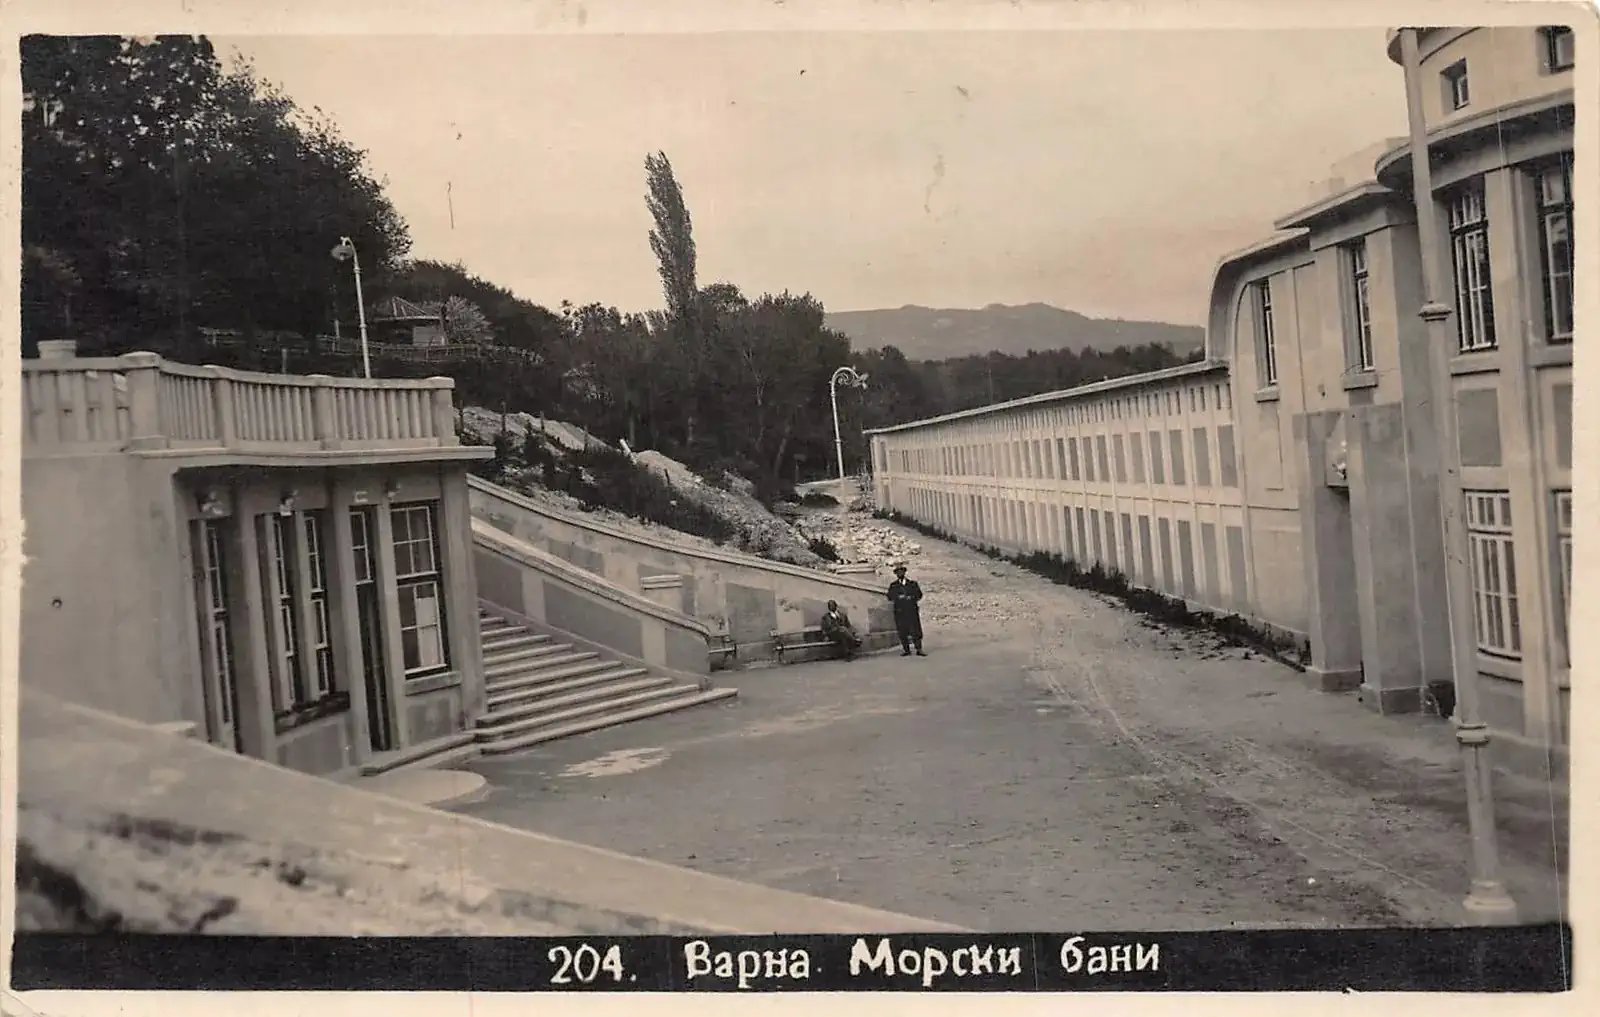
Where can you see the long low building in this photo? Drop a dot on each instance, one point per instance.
(1291, 477)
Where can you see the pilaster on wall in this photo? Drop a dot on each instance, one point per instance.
(1384, 560)
(1420, 450)
(1327, 545)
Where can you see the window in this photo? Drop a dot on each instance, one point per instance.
(424, 646)
(1494, 573)
(1558, 46)
(1061, 459)
(317, 594)
(1104, 471)
(1072, 456)
(1202, 457)
(1564, 555)
(1157, 476)
(1360, 308)
(1119, 458)
(1469, 250)
(288, 681)
(1138, 456)
(1176, 463)
(1266, 338)
(1456, 92)
(1555, 244)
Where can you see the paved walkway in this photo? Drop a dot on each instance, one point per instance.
(1055, 763)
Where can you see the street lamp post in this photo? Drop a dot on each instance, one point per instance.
(1488, 902)
(347, 249)
(852, 379)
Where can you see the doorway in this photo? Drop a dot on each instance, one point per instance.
(211, 563)
(369, 616)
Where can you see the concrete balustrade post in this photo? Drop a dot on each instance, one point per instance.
(324, 416)
(143, 371)
(444, 412)
(223, 407)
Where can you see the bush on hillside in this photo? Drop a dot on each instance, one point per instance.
(817, 499)
(601, 477)
(823, 548)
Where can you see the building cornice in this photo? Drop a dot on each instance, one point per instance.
(1348, 202)
(1539, 114)
(1429, 41)
(1182, 371)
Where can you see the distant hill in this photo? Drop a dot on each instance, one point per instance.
(926, 333)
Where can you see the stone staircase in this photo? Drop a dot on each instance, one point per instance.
(540, 689)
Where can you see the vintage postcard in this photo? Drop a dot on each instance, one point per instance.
(973, 497)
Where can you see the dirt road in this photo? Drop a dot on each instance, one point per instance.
(1056, 762)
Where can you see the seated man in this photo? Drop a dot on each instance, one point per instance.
(837, 628)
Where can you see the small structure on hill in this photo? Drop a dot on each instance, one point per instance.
(398, 320)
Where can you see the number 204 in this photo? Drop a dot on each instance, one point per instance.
(585, 964)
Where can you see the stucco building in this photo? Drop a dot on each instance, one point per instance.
(1292, 476)
(284, 562)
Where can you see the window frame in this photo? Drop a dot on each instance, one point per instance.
(304, 672)
(1551, 38)
(1360, 358)
(1457, 86)
(1491, 554)
(1545, 210)
(416, 579)
(1472, 275)
(1266, 334)
(1561, 511)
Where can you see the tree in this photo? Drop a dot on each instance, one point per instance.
(169, 193)
(465, 322)
(672, 239)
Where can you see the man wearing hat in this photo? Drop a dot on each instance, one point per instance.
(904, 594)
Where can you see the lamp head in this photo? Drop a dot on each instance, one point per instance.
(344, 250)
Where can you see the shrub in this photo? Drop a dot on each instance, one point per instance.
(818, 499)
(603, 477)
(823, 548)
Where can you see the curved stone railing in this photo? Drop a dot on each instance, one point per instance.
(532, 583)
(739, 594)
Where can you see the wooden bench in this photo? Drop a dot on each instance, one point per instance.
(806, 643)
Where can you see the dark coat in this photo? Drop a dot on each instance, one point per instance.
(905, 594)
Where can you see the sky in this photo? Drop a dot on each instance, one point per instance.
(1100, 171)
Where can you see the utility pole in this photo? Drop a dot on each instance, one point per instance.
(1488, 902)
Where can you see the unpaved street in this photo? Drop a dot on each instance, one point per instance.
(1055, 763)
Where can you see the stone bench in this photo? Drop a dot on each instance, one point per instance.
(810, 644)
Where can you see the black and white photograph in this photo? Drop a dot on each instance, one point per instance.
(937, 497)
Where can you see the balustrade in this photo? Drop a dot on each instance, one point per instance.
(140, 401)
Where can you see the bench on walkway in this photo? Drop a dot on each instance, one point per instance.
(807, 644)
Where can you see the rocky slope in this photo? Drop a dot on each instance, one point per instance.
(757, 530)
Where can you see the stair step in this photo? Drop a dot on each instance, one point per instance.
(497, 661)
(558, 706)
(561, 686)
(430, 753)
(538, 677)
(497, 642)
(554, 657)
(582, 711)
(688, 697)
(497, 627)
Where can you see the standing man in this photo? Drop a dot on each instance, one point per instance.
(905, 594)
